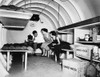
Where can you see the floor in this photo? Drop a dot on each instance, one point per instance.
(37, 67)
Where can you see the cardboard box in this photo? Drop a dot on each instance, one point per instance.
(74, 68)
(83, 51)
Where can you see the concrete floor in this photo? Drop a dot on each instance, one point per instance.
(37, 67)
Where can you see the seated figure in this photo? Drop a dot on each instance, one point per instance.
(47, 40)
(32, 42)
(57, 45)
(29, 43)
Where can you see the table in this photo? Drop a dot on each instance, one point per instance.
(13, 51)
(68, 52)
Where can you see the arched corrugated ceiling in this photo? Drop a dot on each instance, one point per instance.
(67, 12)
(70, 11)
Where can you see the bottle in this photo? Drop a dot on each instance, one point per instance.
(91, 35)
(95, 31)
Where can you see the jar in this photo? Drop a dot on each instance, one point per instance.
(87, 36)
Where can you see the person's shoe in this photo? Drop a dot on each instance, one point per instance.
(43, 55)
(59, 62)
(34, 55)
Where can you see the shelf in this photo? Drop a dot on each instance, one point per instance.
(62, 32)
(85, 41)
(89, 43)
(89, 23)
(81, 28)
(14, 27)
(84, 58)
(96, 60)
(97, 42)
(14, 18)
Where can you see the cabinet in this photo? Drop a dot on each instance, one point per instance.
(86, 32)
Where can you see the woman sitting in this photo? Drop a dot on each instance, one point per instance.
(57, 45)
(47, 40)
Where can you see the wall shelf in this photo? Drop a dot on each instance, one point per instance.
(89, 42)
(80, 29)
(96, 60)
(89, 23)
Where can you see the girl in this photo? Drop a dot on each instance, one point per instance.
(47, 40)
(57, 45)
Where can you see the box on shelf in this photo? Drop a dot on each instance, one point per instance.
(83, 51)
(98, 38)
(74, 68)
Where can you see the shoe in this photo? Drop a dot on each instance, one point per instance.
(34, 55)
(43, 55)
(59, 62)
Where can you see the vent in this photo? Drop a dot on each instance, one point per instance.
(35, 17)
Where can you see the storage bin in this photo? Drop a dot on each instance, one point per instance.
(74, 68)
